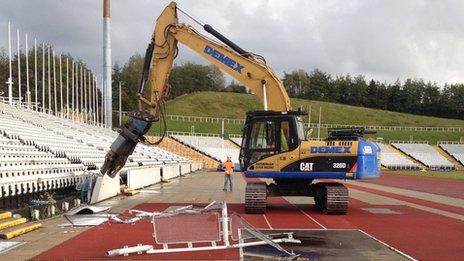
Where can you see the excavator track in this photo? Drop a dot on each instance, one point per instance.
(255, 198)
(332, 198)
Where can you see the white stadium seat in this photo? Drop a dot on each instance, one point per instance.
(237, 141)
(392, 159)
(455, 150)
(212, 146)
(40, 152)
(425, 154)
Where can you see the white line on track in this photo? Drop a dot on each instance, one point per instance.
(307, 215)
(387, 245)
(267, 222)
(351, 229)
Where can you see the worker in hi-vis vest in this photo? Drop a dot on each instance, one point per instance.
(228, 169)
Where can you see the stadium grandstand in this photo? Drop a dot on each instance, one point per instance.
(236, 139)
(209, 144)
(424, 153)
(394, 160)
(455, 150)
(41, 152)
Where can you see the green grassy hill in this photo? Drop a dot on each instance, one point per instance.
(235, 105)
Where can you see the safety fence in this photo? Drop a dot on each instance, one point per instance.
(409, 141)
(194, 134)
(450, 142)
(390, 128)
(316, 125)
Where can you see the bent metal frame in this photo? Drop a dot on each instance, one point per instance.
(253, 238)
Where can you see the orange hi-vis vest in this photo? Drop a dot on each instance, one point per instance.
(229, 167)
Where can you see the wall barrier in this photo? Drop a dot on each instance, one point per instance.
(170, 171)
(142, 177)
(185, 168)
(196, 166)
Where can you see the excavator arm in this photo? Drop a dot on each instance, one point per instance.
(248, 68)
(245, 67)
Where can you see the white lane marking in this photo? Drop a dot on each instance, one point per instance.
(315, 221)
(387, 245)
(307, 215)
(351, 229)
(267, 222)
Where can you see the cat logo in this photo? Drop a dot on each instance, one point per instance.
(306, 166)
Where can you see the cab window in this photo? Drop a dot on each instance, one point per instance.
(262, 135)
(284, 136)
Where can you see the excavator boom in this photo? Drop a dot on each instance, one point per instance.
(248, 68)
(243, 66)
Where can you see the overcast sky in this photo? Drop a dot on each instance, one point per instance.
(384, 40)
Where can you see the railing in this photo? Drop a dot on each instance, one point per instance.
(205, 119)
(450, 142)
(409, 141)
(193, 134)
(388, 128)
(316, 125)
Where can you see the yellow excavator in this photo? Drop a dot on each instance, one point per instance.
(274, 144)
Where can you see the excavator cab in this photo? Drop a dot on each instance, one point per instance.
(267, 133)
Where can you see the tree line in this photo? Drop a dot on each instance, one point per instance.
(414, 96)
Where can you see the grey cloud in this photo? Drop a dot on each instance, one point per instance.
(385, 40)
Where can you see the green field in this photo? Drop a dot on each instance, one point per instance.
(235, 105)
(432, 174)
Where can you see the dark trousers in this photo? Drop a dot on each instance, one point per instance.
(228, 182)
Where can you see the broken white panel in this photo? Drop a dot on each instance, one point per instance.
(8, 245)
(86, 210)
(129, 250)
(126, 220)
(86, 221)
(139, 178)
(105, 187)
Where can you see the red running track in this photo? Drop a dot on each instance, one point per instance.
(421, 234)
(445, 187)
(435, 205)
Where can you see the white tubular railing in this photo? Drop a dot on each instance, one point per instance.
(449, 142)
(193, 134)
(323, 125)
(409, 141)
